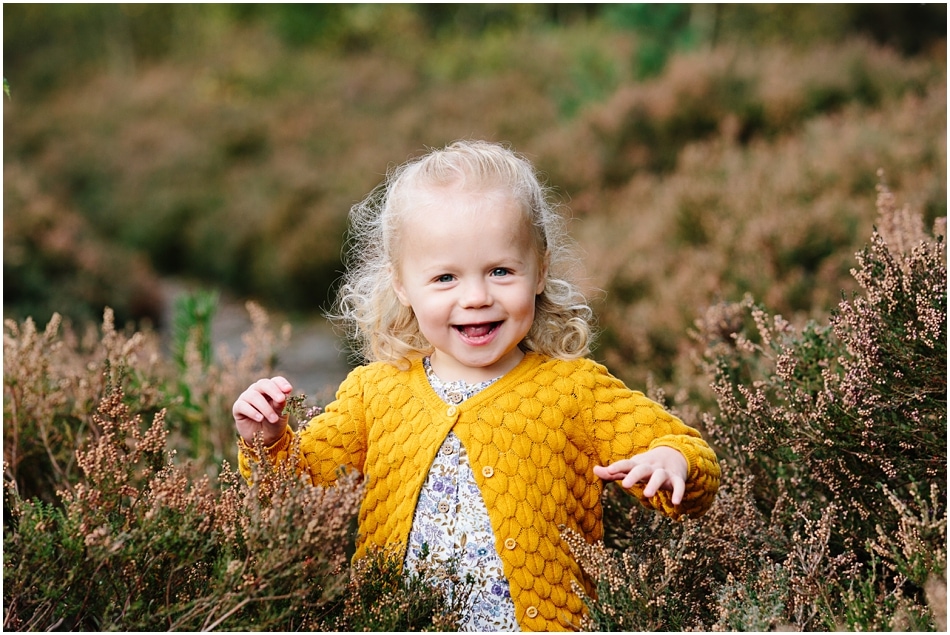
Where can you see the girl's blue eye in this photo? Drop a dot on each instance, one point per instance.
(445, 277)
(500, 271)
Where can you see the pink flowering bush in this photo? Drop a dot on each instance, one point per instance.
(844, 413)
(832, 513)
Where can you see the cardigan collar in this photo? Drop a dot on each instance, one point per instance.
(420, 383)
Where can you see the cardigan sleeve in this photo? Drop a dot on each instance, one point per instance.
(624, 423)
(333, 440)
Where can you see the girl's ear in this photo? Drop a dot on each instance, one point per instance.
(398, 288)
(543, 272)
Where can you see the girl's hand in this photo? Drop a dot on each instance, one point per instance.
(662, 468)
(259, 409)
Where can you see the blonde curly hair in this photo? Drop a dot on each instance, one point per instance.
(381, 328)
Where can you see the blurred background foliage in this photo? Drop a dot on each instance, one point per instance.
(705, 151)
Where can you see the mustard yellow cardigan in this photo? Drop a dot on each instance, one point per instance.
(532, 437)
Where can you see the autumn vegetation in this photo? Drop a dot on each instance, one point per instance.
(760, 196)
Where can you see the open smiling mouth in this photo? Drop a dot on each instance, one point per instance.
(477, 331)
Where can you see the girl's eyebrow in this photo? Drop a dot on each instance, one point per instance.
(439, 266)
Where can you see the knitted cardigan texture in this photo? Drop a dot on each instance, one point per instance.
(532, 437)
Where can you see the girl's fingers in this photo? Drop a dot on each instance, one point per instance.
(679, 489)
(662, 479)
(638, 474)
(265, 399)
(282, 384)
(657, 479)
(243, 410)
(626, 470)
(656, 468)
(614, 471)
(261, 407)
(275, 389)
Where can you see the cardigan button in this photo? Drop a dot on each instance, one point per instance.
(510, 544)
(488, 471)
(532, 611)
(451, 412)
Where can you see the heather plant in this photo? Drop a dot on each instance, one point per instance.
(52, 381)
(54, 378)
(904, 559)
(138, 544)
(698, 574)
(780, 221)
(105, 528)
(842, 411)
(379, 597)
(645, 126)
(832, 510)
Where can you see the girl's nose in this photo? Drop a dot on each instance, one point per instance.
(475, 294)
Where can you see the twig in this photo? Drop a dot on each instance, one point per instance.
(241, 605)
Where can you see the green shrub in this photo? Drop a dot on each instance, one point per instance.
(660, 29)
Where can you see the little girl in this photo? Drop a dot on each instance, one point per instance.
(480, 427)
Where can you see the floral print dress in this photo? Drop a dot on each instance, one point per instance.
(451, 526)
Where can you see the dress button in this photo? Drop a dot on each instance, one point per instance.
(447, 449)
(488, 471)
(510, 544)
(532, 611)
(451, 411)
(444, 507)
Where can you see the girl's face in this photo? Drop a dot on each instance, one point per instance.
(469, 269)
